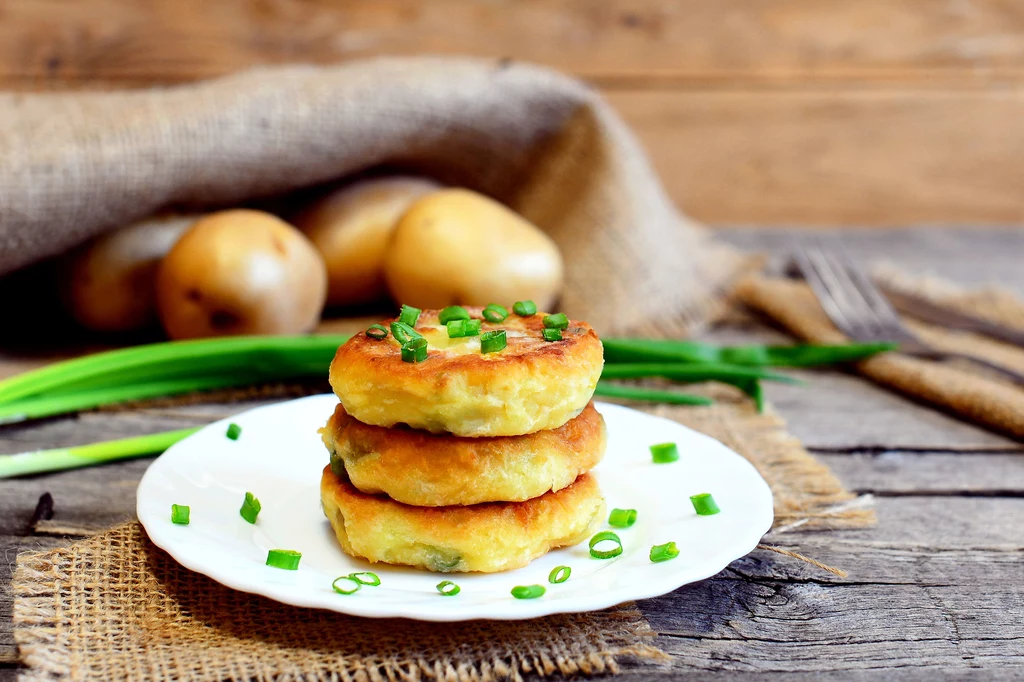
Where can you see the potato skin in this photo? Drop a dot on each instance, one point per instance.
(351, 228)
(109, 285)
(458, 247)
(427, 470)
(241, 272)
(529, 386)
(488, 538)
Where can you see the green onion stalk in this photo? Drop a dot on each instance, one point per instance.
(182, 367)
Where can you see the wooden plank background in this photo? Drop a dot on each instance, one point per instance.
(806, 112)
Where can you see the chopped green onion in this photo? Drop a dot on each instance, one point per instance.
(377, 331)
(460, 328)
(664, 552)
(552, 334)
(448, 589)
(605, 536)
(288, 559)
(365, 578)
(403, 333)
(495, 313)
(250, 508)
(452, 312)
(559, 574)
(622, 518)
(524, 308)
(663, 453)
(234, 431)
(556, 321)
(493, 341)
(180, 514)
(346, 584)
(528, 591)
(704, 504)
(409, 315)
(612, 390)
(415, 350)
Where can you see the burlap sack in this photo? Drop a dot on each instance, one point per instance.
(959, 388)
(74, 165)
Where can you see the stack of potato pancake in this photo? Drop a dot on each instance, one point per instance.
(468, 452)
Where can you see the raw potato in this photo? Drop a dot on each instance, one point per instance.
(459, 247)
(109, 285)
(351, 226)
(241, 272)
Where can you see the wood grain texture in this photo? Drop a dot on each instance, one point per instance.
(693, 41)
(831, 156)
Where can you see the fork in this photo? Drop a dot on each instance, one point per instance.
(859, 310)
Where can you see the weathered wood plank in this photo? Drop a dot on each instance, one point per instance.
(834, 156)
(968, 256)
(902, 473)
(742, 625)
(695, 41)
(680, 672)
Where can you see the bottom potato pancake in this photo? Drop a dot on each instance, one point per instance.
(491, 537)
(436, 470)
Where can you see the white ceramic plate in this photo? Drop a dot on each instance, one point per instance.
(279, 458)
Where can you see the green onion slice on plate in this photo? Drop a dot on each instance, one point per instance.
(622, 518)
(704, 504)
(559, 574)
(180, 514)
(365, 578)
(663, 453)
(250, 508)
(528, 591)
(664, 552)
(448, 589)
(604, 538)
(346, 584)
(288, 559)
(234, 431)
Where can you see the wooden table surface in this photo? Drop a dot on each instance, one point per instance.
(936, 590)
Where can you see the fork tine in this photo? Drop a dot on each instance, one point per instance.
(811, 264)
(871, 326)
(871, 294)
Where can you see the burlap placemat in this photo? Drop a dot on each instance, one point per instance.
(959, 388)
(114, 607)
(73, 165)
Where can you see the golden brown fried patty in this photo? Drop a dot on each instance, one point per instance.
(529, 386)
(435, 470)
(491, 537)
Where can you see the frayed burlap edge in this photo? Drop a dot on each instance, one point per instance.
(114, 607)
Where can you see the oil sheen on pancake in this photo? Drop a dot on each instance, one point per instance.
(491, 537)
(529, 386)
(433, 470)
